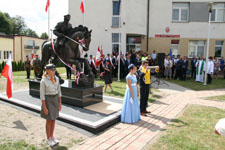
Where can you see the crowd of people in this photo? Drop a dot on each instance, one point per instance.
(177, 68)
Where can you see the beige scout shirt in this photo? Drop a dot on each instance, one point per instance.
(48, 88)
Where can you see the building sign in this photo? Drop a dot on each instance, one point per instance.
(167, 30)
(167, 36)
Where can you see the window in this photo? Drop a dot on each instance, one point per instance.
(30, 43)
(180, 12)
(116, 14)
(175, 47)
(218, 12)
(219, 49)
(116, 39)
(6, 54)
(196, 48)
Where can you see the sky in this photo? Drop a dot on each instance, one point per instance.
(33, 12)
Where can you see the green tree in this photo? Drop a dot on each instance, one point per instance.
(5, 24)
(19, 25)
(44, 35)
(30, 32)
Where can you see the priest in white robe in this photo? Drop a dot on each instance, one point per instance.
(210, 69)
(200, 68)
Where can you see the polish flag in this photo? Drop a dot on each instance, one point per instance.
(82, 6)
(32, 56)
(99, 56)
(47, 5)
(7, 72)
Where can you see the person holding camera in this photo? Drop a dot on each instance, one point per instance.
(145, 80)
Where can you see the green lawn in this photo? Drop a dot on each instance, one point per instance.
(193, 130)
(197, 86)
(119, 89)
(20, 145)
(217, 98)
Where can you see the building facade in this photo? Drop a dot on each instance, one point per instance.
(183, 27)
(6, 47)
(19, 47)
(179, 25)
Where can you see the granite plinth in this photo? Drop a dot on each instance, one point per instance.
(76, 96)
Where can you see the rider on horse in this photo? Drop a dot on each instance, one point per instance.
(61, 29)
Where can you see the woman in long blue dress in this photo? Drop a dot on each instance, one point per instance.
(130, 110)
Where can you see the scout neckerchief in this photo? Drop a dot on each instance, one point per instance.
(202, 66)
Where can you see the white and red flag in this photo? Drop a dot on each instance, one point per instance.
(82, 6)
(47, 5)
(99, 57)
(7, 73)
(32, 56)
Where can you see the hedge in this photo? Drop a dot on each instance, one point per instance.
(16, 66)
(19, 66)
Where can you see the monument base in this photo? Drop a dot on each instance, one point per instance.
(76, 96)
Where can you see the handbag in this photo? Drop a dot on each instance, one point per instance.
(102, 74)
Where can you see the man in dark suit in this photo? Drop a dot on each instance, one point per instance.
(122, 67)
(68, 72)
(193, 67)
(173, 66)
(178, 68)
(138, 61)
(115, 64)
(184, 67)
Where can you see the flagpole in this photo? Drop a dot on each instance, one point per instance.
(49, 22)
(83, 18)
(208, 41)
(120, 41)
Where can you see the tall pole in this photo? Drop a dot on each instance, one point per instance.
(119, 41)
(119, 59)
(49, 36)
(207, 52)
(83, 17)
(147, 24)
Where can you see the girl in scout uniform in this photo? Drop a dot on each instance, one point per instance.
(50, 94)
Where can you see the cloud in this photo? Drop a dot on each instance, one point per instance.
(33, 11)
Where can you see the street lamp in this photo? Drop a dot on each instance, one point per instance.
(207, 52)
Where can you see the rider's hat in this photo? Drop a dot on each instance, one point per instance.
(67, 16)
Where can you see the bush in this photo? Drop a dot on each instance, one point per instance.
(16, 66)
(0, 67)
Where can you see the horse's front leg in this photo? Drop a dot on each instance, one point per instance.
(76, 63)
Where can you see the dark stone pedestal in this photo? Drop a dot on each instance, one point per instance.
(76, 96)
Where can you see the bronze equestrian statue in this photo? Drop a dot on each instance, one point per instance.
(67, 48)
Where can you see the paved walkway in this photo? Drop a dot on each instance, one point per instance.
(137, 136)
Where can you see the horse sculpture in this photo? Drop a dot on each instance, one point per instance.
(70, 53)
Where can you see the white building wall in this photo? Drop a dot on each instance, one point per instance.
(161, 17)
(98, 17)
